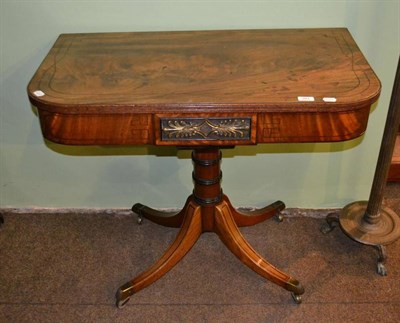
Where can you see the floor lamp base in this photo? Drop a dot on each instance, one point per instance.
(353, 222)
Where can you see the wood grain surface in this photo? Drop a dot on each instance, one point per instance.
(129, 76)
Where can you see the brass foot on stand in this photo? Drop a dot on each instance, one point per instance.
(354, 224)
(380, 266)
(332, 221)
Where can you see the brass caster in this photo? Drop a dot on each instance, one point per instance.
(124, 294)
(121, 304)
(137, 208)
(296, 290)
(139, 219)
(279, 217)
(122, 298)
(297, 298)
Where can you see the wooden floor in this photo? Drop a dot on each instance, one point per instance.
(67, 267)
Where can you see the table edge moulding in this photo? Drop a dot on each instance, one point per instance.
(205, 90)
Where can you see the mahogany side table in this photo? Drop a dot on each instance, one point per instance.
(205, 90)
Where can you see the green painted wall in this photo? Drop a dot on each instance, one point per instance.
(34, 172)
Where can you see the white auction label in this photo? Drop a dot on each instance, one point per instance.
(38, 93)
(326, 99)
(306, 98)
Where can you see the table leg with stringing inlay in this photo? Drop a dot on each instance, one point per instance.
(209, 210)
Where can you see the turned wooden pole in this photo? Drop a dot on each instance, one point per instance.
(207, 176)
(372, 214)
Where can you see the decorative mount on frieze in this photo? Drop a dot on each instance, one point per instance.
(205, 128)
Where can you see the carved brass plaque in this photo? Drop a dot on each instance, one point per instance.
(205, 128)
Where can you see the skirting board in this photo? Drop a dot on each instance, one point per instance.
(289, 212)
